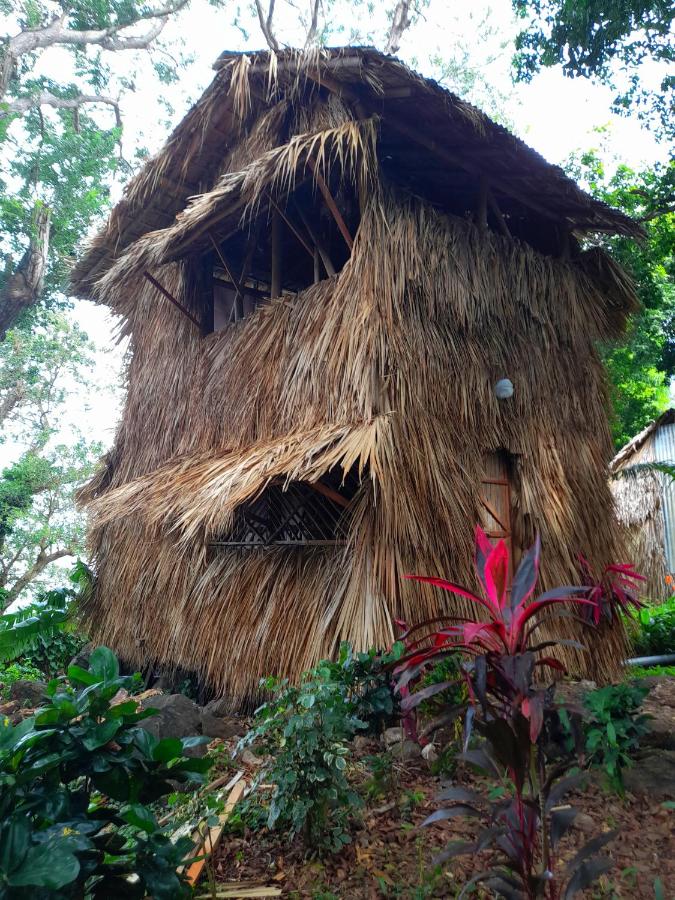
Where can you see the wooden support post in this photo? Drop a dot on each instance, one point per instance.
(496, 211)
(330, 203)
(317, 266)
(323, 253)
(290, 224)
(481, 211)
(276, 256)
(238, 305)
(163, 290)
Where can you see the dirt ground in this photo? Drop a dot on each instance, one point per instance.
(390, 857)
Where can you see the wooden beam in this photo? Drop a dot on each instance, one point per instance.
(328, 492)
(499, 216)
(275, 289)
(292, 227)
(163, 290)
(330, 203)
(481, 212)
(323, 253)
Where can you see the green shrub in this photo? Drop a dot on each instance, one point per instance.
(18, 671)
(75, 781)
(614, 728)
(305, 729)
(655, 630)
(652, 671)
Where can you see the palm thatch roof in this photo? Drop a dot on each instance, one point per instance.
(451, 259)
(430, 135)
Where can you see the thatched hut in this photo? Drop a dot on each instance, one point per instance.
(644, 497)
(324, 275)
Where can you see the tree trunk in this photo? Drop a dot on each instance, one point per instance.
(23, 288)
(41, 562)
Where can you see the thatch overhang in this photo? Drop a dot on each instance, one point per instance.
(428, 136)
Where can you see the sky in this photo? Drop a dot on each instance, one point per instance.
(554, 114)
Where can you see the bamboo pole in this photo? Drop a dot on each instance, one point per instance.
(276, 255)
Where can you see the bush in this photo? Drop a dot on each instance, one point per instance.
(17, 672)
(75, 781)
(305, 729)
(655, 632)
(613, 730)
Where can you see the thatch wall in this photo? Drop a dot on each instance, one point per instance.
(389, 367)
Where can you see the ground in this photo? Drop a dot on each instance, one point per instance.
(391, 857)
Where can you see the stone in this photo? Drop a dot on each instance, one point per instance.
(28, 694)
(81, 658)
(406, 750)
(178, 717)
(430, 754)
(653, 773)
(249, 758)
(361, 743)
(393, 736)
(224, 727)
(659, 705)
(584, 823)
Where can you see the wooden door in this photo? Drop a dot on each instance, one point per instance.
(496, 500)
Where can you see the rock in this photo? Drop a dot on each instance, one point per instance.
(393, 736)
(652, 774)
(178, 717)
(406, 750)
(81, 658)
(361, 743)
(215, 726)
(249, 758)
(584, 823)
(660, 706)
(28, 694)
(430, 754)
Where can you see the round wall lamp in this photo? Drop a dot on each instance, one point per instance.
(504, 389)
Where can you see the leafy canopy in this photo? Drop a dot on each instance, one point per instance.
(610, 40)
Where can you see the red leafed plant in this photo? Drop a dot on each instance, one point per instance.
(506, 707)
(615, 591)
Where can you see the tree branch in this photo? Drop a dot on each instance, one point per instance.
(266, 24)
(46, 98)
(400, 22)
(314, 24)
(42, 560)
(23, 287)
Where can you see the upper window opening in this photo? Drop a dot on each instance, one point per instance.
(297, 514)
(286, 250)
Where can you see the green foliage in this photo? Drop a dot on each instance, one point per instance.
(21, 671)
(38, 522)
(613, 729)
(652, 672)
(44, 628)
(640, 367)
(381, 782)
(75, 781)
(655, 635)
(600, 39)
(304, 730)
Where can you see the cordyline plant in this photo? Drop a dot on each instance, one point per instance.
(616, 591)
(506, 706)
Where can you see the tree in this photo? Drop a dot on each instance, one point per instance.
(639, 369)
(40, 369)
(609, 40)
(60, 146)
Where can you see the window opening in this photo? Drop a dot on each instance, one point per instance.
(298, 514)
(290, 247)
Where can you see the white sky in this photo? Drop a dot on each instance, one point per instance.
(553, 114)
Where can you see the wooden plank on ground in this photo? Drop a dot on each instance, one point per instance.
(211, 839)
